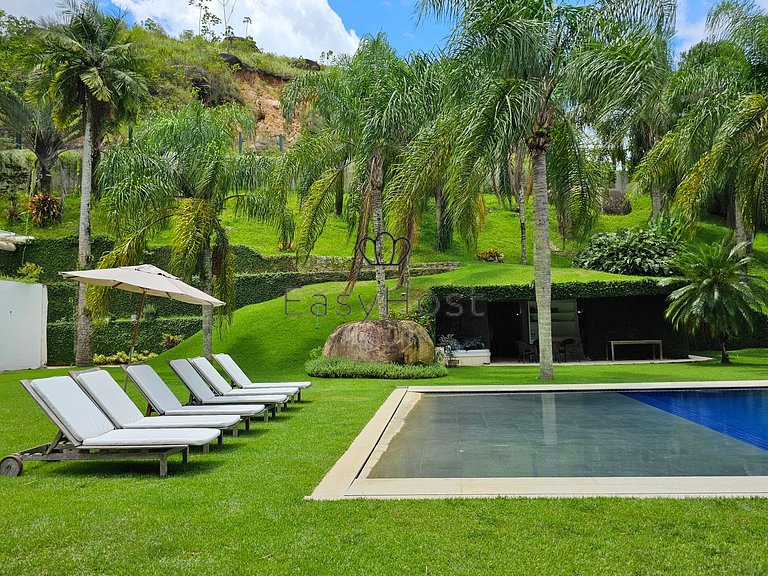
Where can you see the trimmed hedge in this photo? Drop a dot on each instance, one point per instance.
(344, 368)
(563, 291)
(115, 336)
(758, 338)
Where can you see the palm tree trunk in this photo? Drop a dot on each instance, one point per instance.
(376, 183)
(84, 328)
(517, 182)
(338, 207)
(443, 223)
(542, 270)
(655, 201)
(724, 357)
(207, 279)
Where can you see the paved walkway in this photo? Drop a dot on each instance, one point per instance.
(516, 362)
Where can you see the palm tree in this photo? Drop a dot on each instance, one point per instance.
(361, 128)
(39, 134)
(86, 67)
(181, 171)
(521, 67)
(719, 295)
(713, 149)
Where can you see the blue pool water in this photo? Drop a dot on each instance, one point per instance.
(740, 414)
(722, 432)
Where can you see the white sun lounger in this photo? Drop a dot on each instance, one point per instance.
(220, 385)
(241, 380)
(85, 432)
(202, 394)
(162, 400)
(117, 405)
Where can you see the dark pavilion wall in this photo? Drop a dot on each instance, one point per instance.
(632, 318)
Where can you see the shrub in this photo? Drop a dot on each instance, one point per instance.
(122, 357)
(343, 368)
(45, 209)
(30, 271)
(169, 341)
(640, 252)
(491, 255)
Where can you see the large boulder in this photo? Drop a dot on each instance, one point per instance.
(400, 341)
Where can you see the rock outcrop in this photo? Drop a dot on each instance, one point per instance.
(400, 341)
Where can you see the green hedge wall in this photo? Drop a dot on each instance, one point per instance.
(563, 291)
(115, 336)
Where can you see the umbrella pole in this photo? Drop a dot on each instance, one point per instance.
(135, 335)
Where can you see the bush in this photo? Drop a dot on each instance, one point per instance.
(322, 367)
(640, 252)
(169, 341)
(45, 209)
(491, 255)
(30, 271)
(122, 357)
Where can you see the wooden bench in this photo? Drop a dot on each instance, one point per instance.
(610, 347)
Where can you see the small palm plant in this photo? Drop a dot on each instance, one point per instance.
(719, 295)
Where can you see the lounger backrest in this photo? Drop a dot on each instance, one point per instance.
(79, 416)
(108, 395)
(207, 371)
(232, 369)
(153, 388)
(192, 379)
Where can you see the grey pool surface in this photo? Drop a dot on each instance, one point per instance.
(573, 434)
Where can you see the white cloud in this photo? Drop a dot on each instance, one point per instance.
(691, 28)
(32, 9)
(290, 27)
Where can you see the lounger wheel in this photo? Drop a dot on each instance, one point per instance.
(11, 465)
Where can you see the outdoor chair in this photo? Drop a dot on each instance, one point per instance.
(85, 432)
(240, 379)
(220, 386)
(569, 347)
(200, 393)
(117, 405)
(527, 352)
(162, 400)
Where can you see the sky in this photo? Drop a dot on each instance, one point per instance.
(309, 28)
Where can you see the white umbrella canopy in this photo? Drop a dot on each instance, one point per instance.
(146, 280)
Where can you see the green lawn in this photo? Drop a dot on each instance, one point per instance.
(241, 508)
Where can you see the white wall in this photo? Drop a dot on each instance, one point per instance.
(23, 321)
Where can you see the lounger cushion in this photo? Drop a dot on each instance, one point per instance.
(261, 391)
(192, 379)
(153, 388)
(108, 395)
(274, 399)
(188, 421)
(241, 379)
(159, 437)
(79, 416)
(238, 409)
(220, 384)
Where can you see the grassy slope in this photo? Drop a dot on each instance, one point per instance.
(241, 507)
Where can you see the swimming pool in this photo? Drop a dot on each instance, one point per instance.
(671, 439)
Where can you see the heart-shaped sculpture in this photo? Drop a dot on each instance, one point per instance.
(388, 248)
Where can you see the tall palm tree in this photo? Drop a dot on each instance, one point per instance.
(521, 68)
(182, 171)
(39, 133)
(713, 151)
(86, 67)
(361, 129)
(719, 294)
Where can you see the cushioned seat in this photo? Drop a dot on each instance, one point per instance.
(219, 384)
(115, 403)
(163, 400)
(241, 380)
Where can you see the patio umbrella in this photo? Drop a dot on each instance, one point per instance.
(146, 280)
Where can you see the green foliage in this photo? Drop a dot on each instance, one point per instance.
(718, 294)
(639, 252)
(343, 368)
(45, 209)
(491, 255)
(30, 271)
(122, 357)
(170, 340)
(115, 335)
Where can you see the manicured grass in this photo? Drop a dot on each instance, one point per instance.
(241, 508)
